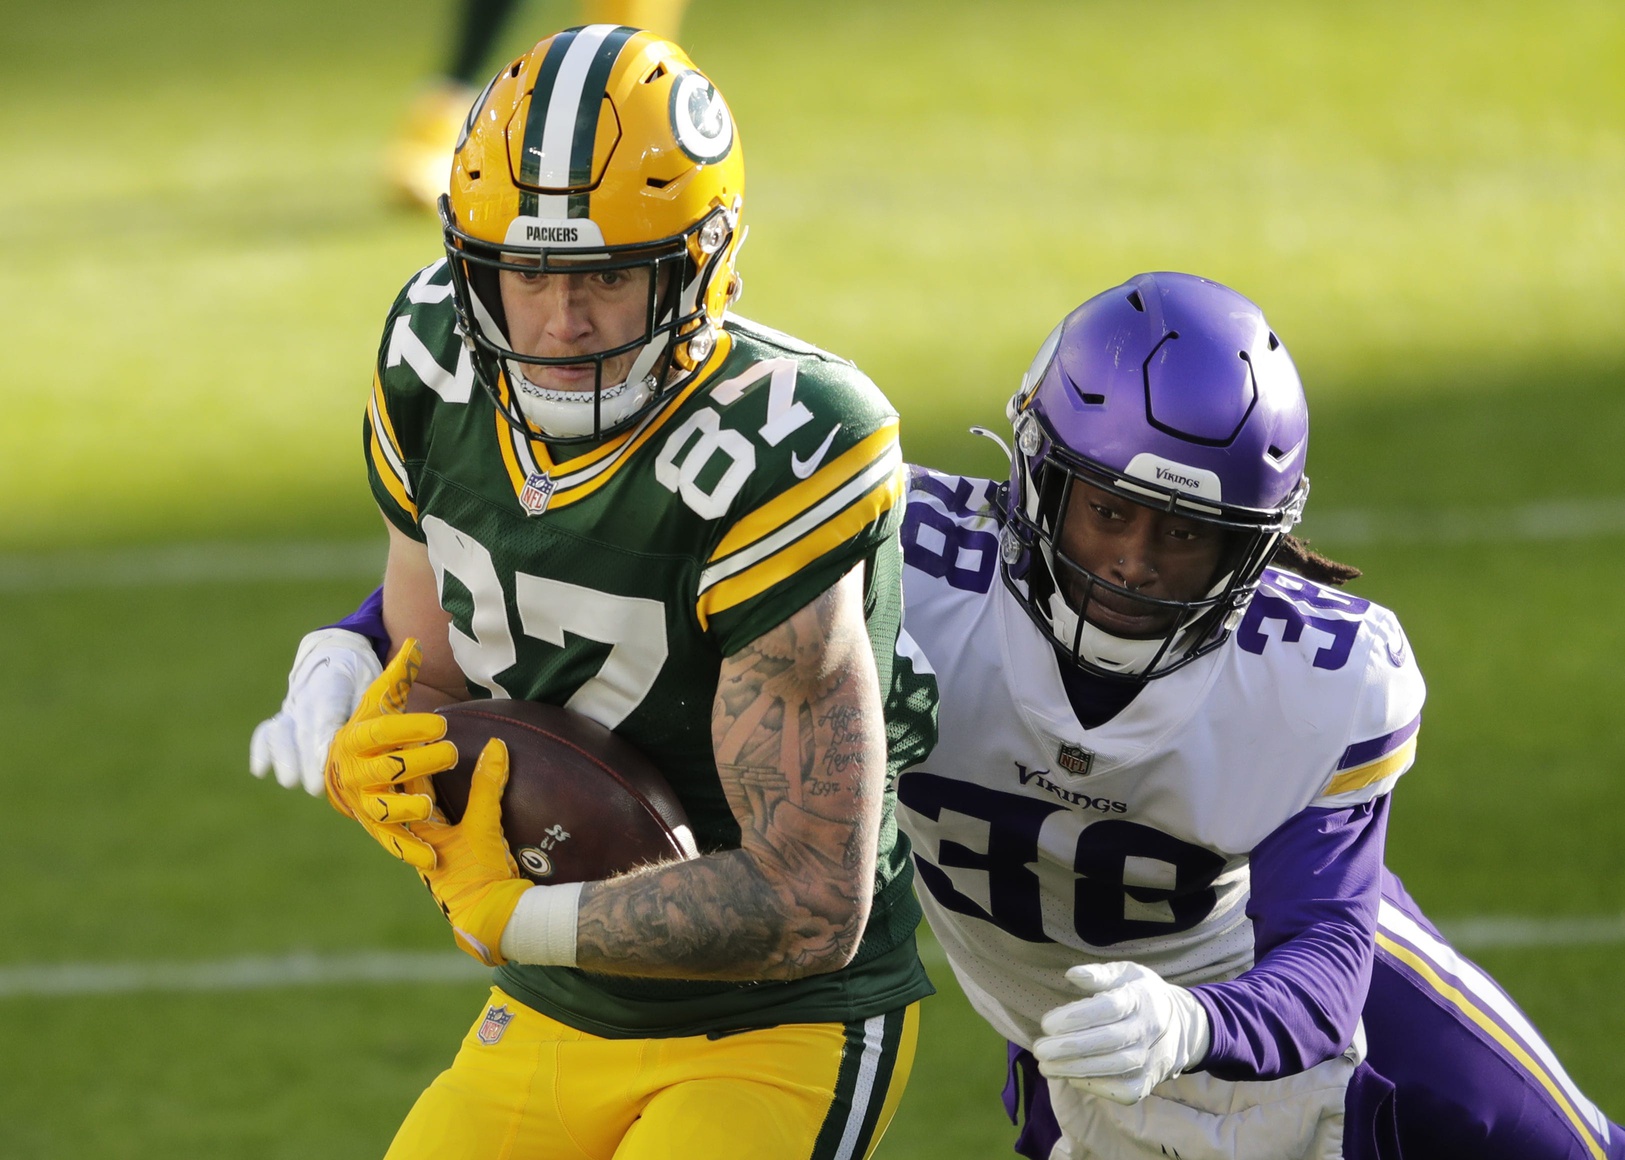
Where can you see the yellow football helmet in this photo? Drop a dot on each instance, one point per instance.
(602, 148)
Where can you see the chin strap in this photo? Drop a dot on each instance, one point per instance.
(569, 414)
(1120, 654)
(1114, 653)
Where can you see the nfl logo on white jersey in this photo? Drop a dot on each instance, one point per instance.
(538, 490)
(1075, 759)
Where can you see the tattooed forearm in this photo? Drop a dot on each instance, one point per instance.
(847, 739)
(694, 920)
(658, 907)
(801, 750)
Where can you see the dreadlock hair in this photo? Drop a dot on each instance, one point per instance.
(1295, 555)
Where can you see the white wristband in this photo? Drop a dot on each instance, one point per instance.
(542, 931)
(1195, 1032)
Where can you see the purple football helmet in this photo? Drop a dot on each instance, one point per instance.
(1172, 392)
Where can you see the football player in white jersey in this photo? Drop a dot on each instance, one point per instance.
(1150, 838)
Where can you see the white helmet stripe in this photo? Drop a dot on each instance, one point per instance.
(553, 160)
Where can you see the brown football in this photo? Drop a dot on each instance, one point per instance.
(581, 803)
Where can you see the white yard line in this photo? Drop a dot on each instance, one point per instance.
(169, 565)
(214, 563)
(1572, 519)
(392, 968)
(1498, 931)
(241, 974)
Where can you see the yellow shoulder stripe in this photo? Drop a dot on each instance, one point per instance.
(385, 451)
(785, 507)
(391, 481)
(381, 408)
(799, 554)
(1363, 775)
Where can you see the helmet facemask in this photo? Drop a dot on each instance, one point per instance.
(1058, 591)
(675, 339)
(601, 148)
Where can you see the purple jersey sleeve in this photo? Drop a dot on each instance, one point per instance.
(1316, 884)
(368, 620)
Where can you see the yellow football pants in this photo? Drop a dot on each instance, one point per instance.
(526, 1087)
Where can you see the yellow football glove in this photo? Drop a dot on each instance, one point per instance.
(473, 876)
(379, 763)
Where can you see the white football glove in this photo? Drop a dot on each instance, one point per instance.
(331, 670)
(1133, 1032)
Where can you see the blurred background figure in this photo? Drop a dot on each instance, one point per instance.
(418, 161)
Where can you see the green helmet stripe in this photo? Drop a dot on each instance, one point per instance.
(530, 157)
(593, 91)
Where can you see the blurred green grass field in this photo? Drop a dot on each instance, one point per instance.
(1425, 197)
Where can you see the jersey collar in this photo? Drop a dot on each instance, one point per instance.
(540, 484)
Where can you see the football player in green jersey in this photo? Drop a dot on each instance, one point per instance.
(604, 492)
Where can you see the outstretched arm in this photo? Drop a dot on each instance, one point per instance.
(1316, 886)
(334, 665)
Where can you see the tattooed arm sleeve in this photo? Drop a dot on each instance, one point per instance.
(801, 750)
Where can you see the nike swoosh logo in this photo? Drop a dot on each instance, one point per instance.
(805, 467)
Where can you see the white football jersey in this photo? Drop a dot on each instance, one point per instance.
(1041, 844)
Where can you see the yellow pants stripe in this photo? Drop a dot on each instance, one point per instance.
(1490, 1027)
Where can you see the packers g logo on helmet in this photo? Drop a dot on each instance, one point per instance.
(602, 148)
(700, 119)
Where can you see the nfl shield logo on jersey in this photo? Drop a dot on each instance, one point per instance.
(495, 1023)
(538, 490)
(1075, 759)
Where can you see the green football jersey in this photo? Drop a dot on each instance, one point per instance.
(614, 583)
